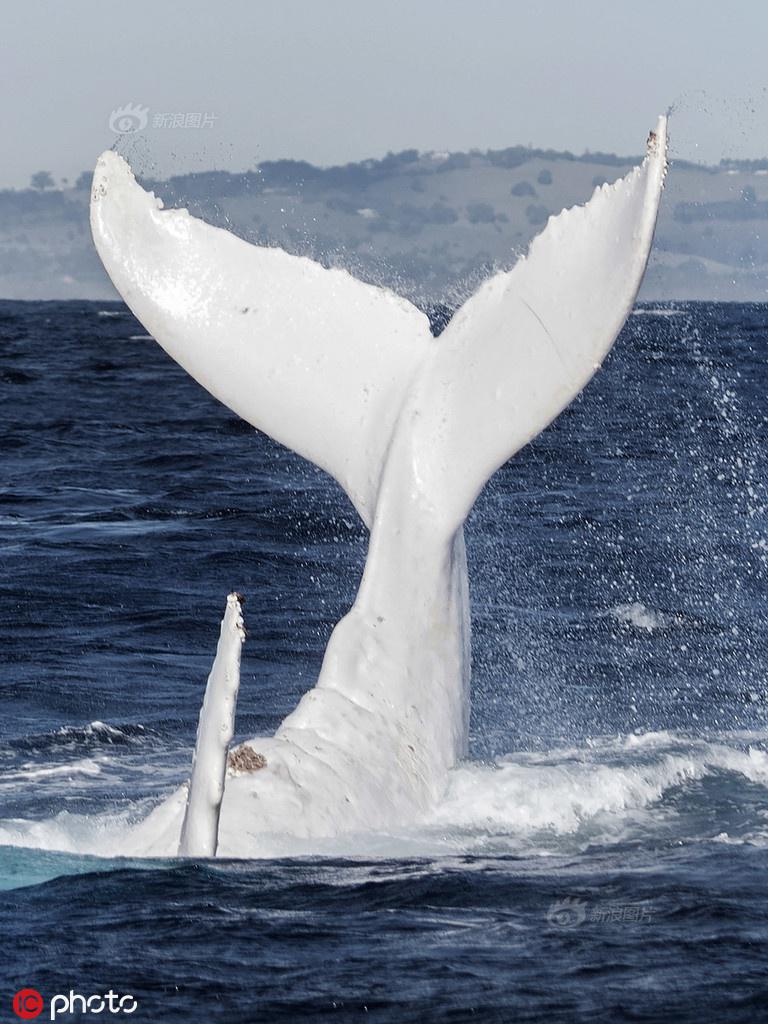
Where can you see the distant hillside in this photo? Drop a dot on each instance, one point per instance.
(427, 224)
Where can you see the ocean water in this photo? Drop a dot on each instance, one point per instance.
(602, 856)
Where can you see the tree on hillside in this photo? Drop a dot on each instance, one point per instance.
(41, 180)
(480, 213)
(536, 214)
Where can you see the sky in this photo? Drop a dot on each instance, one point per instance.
(332, 81)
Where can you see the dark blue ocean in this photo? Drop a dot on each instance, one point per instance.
(603, 856)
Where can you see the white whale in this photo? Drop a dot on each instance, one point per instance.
(349, 376)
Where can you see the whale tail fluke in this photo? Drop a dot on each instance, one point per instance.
(328, 365)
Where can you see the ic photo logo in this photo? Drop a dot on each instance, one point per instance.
(28, 1004)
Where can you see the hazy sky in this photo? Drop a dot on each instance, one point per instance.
(337, 80)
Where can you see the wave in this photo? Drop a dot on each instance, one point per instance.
(82, 834)
(28, 772)
(643, 788)
(662, 311)
(72, 737)
(640, 616)
(564, 792)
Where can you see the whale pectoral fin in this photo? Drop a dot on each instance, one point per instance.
(524, 345)
(200, 828)
(313, 357)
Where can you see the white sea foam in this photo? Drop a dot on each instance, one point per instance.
(30, 772)
(524, 794)
(640, 616)
(542, 803)
(98, 835)
(94, 733)
(662, 311)
(101, 731)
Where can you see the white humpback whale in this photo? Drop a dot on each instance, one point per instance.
(349, 376)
